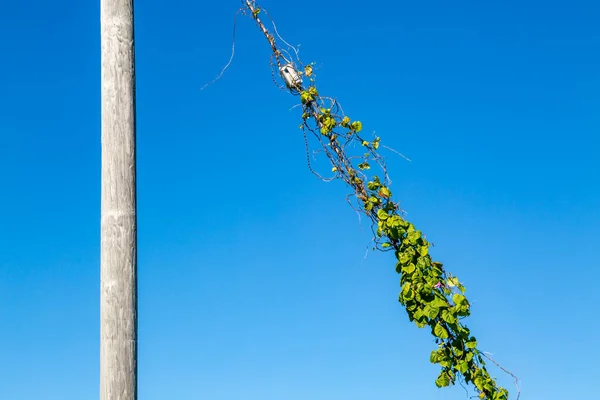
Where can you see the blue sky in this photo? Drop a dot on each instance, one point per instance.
(253, 281)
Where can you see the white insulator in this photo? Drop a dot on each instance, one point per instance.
(291, 77)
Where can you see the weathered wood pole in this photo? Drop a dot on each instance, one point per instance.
(118, 253)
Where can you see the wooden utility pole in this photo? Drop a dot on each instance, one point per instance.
(118, 264)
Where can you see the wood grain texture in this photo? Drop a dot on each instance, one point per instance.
(118, 265)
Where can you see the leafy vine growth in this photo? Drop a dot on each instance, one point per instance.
(432, 296)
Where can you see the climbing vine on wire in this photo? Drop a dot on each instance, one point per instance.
(432, 297)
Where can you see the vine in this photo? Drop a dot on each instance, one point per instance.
(431, 296)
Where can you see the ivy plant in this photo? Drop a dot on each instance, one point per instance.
(433, 298)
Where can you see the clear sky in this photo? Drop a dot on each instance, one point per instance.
(253, 281)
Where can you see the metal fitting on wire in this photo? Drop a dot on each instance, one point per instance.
(291, 77)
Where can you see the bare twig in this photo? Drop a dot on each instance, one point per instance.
(395, 151)
(516, 382)
(296, 51)
(232, 53)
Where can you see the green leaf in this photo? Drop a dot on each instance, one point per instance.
(394, 221)
(448, 317)
(308, 71)
(382, 215)
(376, 143)
(463, 367)
(434, 357)
(413, 237)
(418, 314)
(440, 331)
(420, 324)
(308, 95)
(409, 295)
(462, 331)
(431, 312)
(398, 267)
(422, 263)
(409, 269)
(385, 192)
(357, 126)
(405, 289)
(488, 386)
(411, 306)
(458, 299)
(404, 258)
(472, 343)
(439, 303)
(373, 185)
(478, 382)
(386, 245)
(445, 363)
(443, 380)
